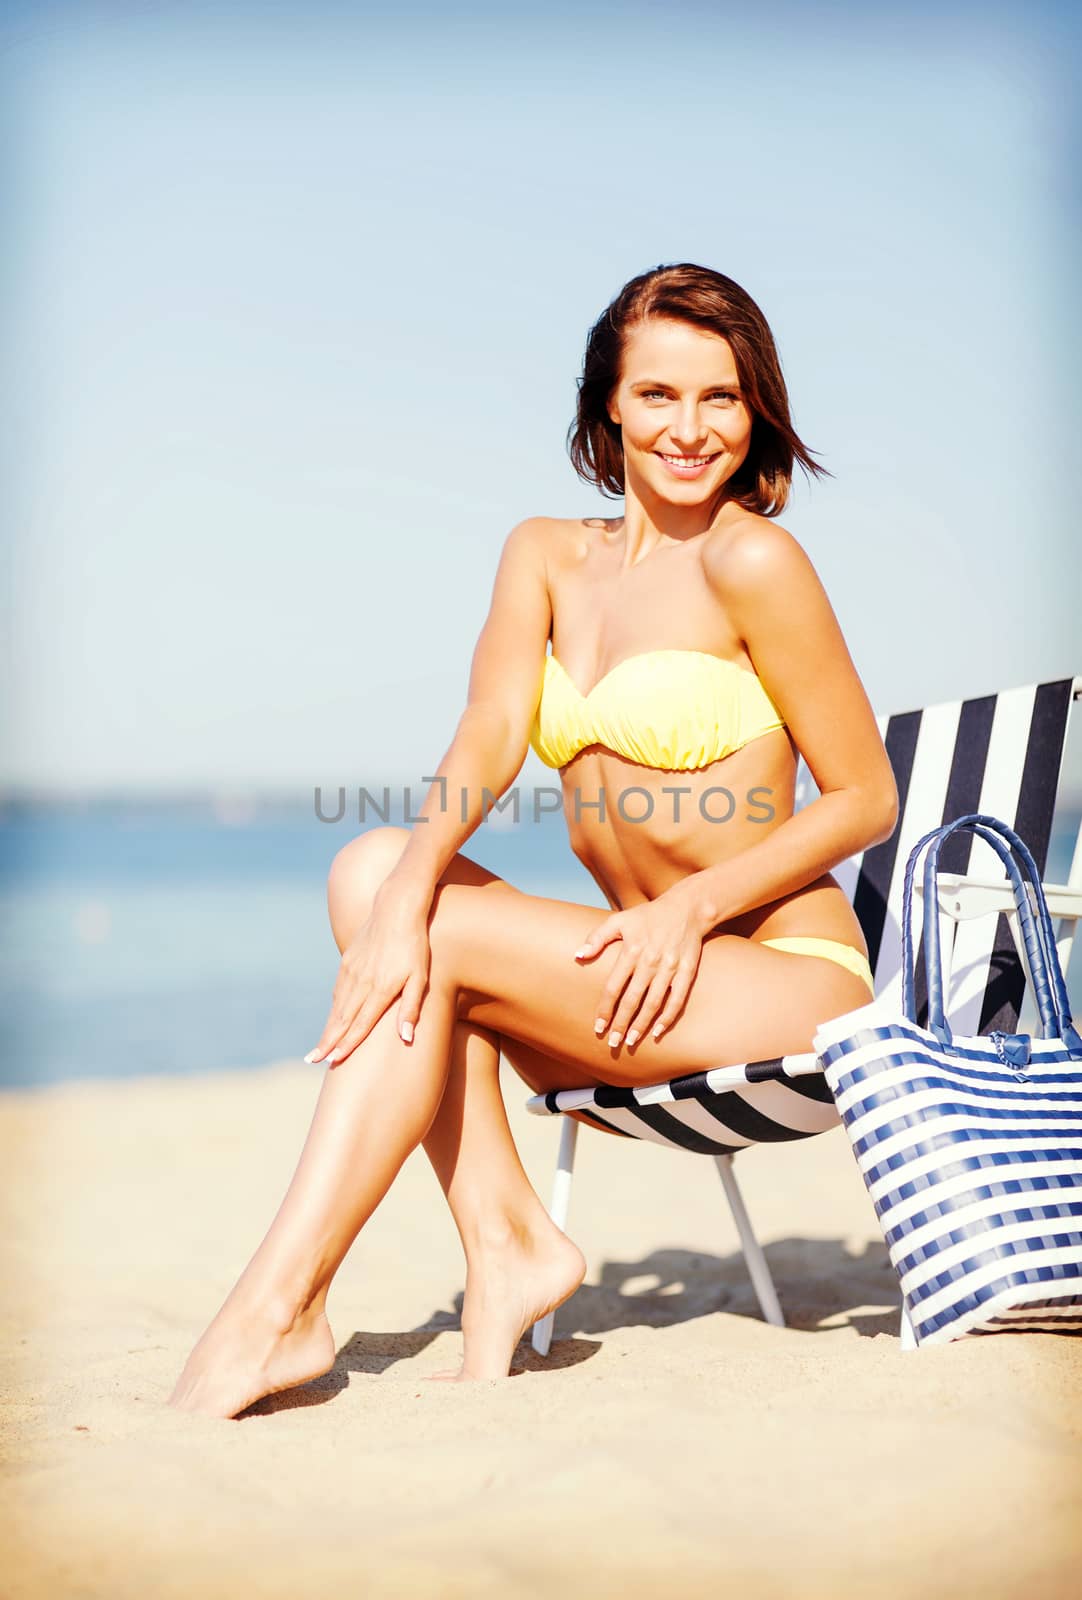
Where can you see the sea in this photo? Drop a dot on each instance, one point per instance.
(148, 936)
(186, 935)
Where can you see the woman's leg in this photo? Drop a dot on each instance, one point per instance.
(272, 1331)
(519, 1265)
(504, 960)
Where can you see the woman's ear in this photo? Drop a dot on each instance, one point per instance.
(614, 412)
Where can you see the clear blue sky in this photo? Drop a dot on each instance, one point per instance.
(295, 298)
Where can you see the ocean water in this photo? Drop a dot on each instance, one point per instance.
(144, 937)
(140, 938)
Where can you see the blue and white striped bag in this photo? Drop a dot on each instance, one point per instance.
(971, 1148)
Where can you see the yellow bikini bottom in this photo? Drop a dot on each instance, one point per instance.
(830, 950)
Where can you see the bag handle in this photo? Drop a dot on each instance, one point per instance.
(1037, 931)
(1036, 937)
(1050, 1018)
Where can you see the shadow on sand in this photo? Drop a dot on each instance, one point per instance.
(821, 1284)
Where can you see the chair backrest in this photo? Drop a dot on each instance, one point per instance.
(1000, 754)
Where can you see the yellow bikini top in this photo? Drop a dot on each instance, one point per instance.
(673, 709)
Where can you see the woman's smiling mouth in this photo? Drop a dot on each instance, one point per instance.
(687, 466)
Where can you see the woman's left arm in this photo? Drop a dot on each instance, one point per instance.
(773, 598)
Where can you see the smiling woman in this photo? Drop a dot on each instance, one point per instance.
(653, 415)
(746, 404)
(681, 638)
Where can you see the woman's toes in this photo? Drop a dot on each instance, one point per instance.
(230, 1370)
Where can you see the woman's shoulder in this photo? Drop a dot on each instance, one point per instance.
(752, 551)
(555, 527)
(564, 537)
(575, 526)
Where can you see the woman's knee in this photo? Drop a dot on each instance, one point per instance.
(361, 866)
(356, 873)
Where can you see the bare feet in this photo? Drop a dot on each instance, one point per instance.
(243, 1357)
(508, 1289)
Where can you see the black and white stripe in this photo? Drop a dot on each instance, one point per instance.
(711, 1113)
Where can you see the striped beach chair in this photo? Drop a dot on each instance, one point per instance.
(1000, 755)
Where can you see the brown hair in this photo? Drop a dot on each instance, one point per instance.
(708, 300)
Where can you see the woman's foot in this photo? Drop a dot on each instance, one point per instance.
(509, 1287)
(244, 1356)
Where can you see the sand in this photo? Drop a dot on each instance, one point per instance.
(672, 1443)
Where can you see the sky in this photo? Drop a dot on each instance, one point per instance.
(294, 300)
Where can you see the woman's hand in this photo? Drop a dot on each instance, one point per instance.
(388, 956)
(662, 941)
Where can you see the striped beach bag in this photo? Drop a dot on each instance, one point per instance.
(971, 1148)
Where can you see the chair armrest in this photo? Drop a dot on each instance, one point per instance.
(961, 897)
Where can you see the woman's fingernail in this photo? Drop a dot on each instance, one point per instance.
(632, 1036)
(599, 1025)
(579, 953)
(614, 1038)
(406, 1030)
(312, 1057)
(659, 1030)
(332, 1059)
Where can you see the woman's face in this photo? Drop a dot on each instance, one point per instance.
(686, 427)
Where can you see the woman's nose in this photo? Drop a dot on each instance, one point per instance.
(687, 429)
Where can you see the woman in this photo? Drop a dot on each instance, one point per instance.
(695, 655)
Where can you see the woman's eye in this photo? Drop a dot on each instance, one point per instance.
(723, 394)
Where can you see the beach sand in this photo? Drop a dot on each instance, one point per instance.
(672, 1443)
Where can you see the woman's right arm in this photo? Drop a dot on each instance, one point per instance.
(389, 953)
(493, 732)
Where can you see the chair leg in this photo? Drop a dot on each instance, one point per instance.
(906, 1332)
(561, 1201)
(758, 1270)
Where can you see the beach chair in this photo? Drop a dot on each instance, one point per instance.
(1000, 755)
